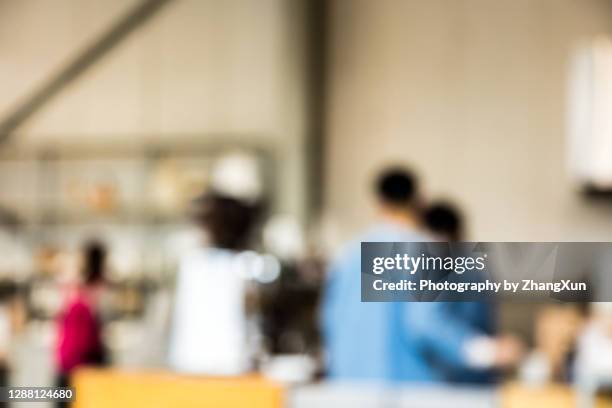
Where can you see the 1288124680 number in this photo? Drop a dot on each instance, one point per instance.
(38, 394)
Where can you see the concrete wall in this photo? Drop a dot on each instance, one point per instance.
(471, 94)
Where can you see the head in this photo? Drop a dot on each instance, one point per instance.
(227, 221)
(444, 221)
(94, 263)
(397, 194)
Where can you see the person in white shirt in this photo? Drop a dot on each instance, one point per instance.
(210, 325)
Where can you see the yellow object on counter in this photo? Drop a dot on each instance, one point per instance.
(515, 395)
(99, 388)
(549, 396)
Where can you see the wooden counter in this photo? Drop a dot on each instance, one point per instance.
(146, 389)
(549, 396)
(116, 389)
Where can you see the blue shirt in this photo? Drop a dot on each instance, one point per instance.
(395, 341)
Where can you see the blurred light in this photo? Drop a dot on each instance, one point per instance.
(271, 269)
(283, 237)
(237, 175)
(262, 268)
(589, 120)
(249, 264)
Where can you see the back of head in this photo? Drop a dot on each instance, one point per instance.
(397, 187)
(94, 257)
(228, 221)
(444, 220)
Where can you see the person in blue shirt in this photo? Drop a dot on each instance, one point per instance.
(403, 341)
(444, 221)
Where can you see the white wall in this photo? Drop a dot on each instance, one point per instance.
(471, 94)
(38, 36)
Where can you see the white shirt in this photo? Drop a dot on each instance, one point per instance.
(209, 325)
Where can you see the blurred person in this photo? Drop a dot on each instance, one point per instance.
(80, 340)
(400, 341)
(12, 320)
(444, 221)
(210, 333)
(556, 331)
(593, 365)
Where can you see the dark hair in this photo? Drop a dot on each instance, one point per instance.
(228, 221)
(94, 263)
(444, 219)
(397, 186)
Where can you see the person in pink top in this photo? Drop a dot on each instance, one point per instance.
(79, 341)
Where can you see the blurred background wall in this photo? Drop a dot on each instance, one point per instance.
(472, 93)
(204, 70)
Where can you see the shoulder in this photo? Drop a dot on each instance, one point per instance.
(394, 233)
(351, 252)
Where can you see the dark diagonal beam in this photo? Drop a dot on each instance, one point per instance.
(92, 53)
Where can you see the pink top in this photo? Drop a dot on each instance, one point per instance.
(80, 337)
